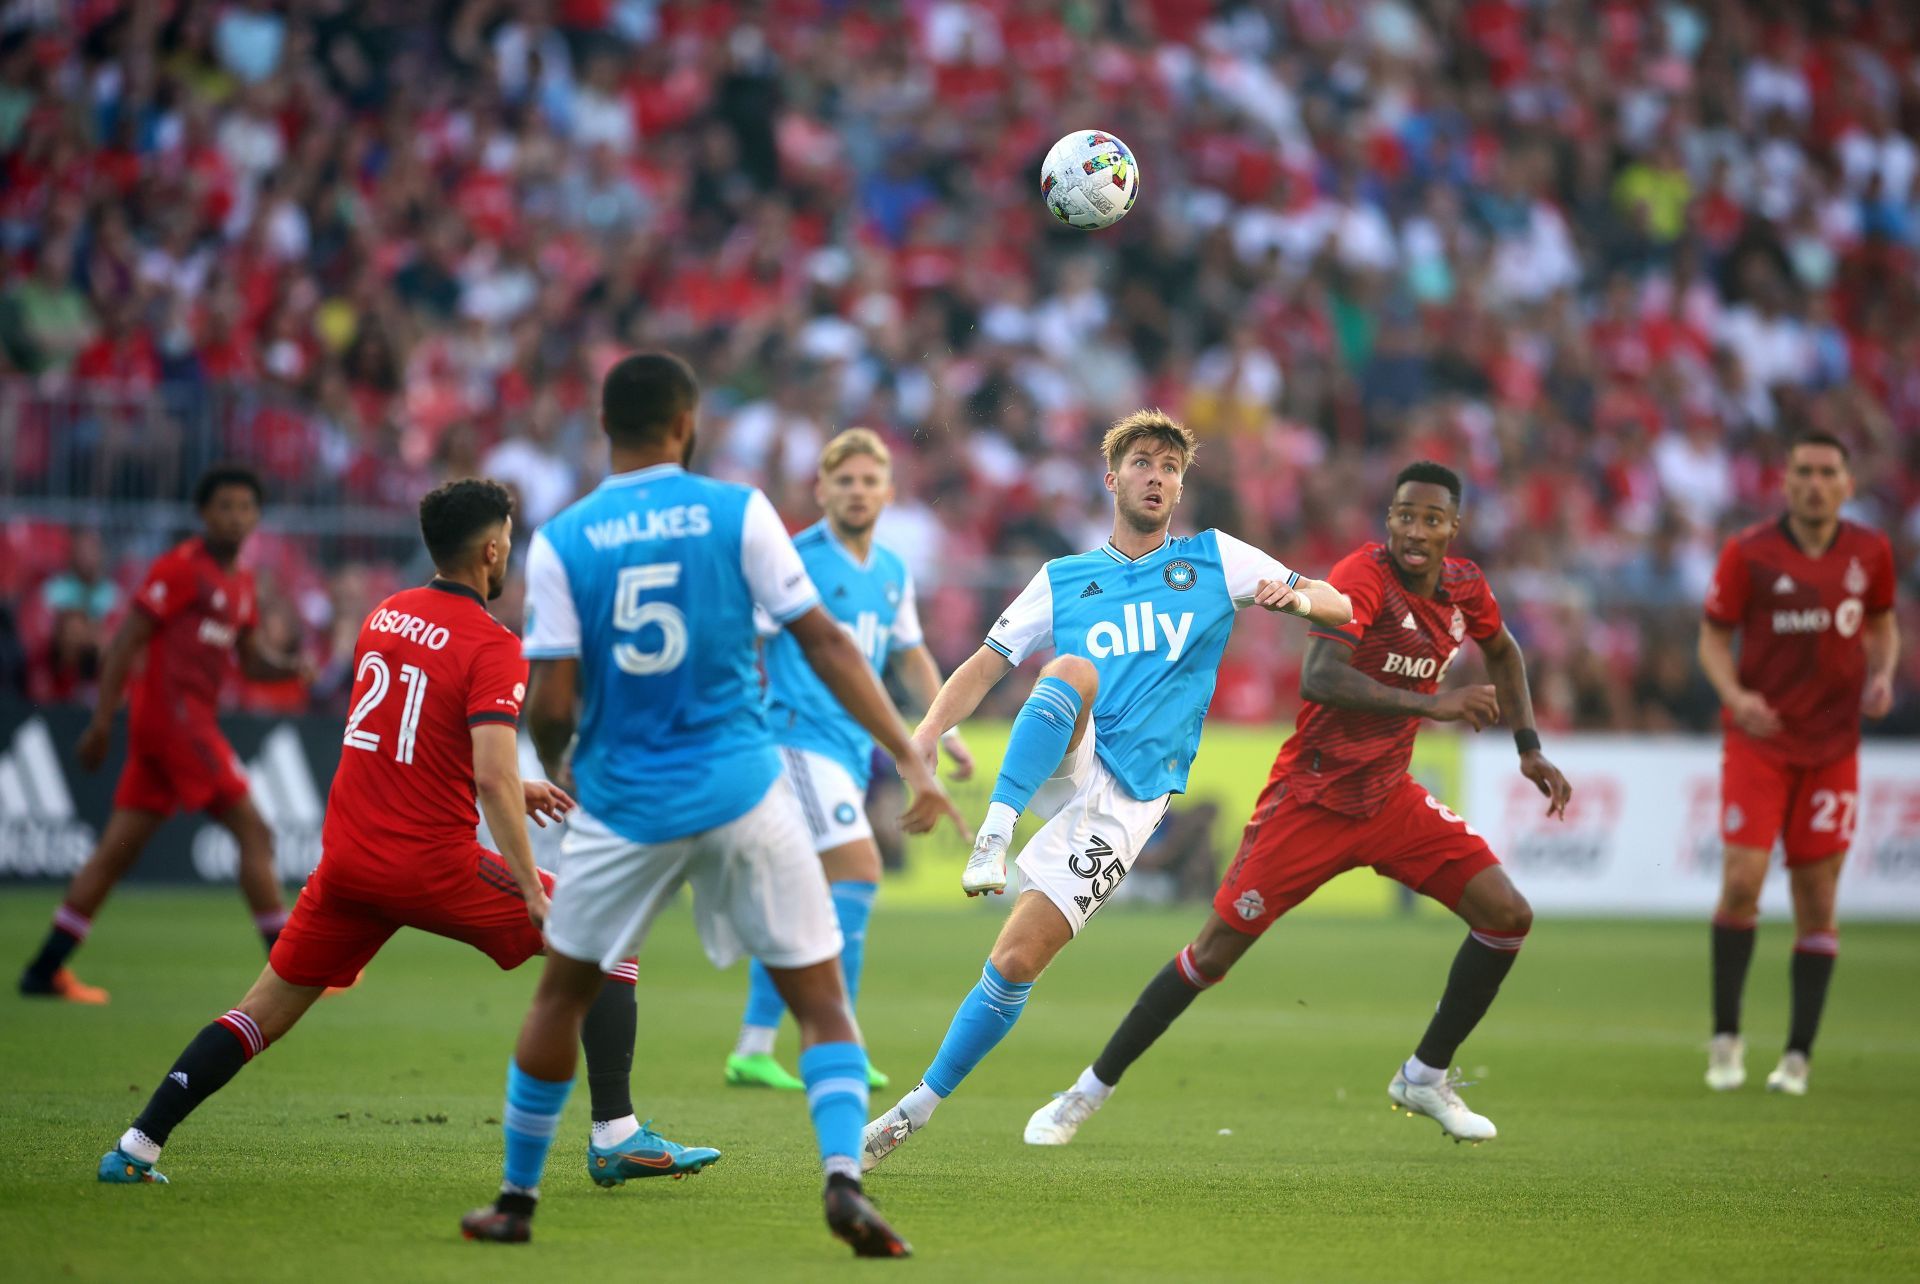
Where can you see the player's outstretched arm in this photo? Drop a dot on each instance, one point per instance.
(115, 668)
(920, 674)
(550, 712)
(503, 801)
(836, 658)
(1749, 709)
(1328, 677)
(1314, 600)
(258, 664)
(1507, 666)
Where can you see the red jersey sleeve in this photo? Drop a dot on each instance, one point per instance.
(1880, 580)
(1727, 594)
(169, 588)
(1482, 610)
(497, 682)
(1358, 576)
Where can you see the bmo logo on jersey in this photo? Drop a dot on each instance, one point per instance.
(1422, 668)
(1817, 619)
(1143, 629)
(214, 633)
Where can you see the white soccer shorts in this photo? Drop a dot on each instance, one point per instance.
(834, 805)
(757, 889)
(1094, 832)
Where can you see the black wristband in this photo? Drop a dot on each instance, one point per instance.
(1526, 740)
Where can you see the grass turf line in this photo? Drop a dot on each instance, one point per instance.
(324, 1159)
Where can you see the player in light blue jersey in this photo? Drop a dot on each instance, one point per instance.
(641, 606)
(1109, 733)
(828, 756)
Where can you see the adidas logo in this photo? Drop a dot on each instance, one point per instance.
(1091, 590)
(289, 801)
(41, 832)
(841, 591)
(1784, 584)
(179, 1077)
(1409, 622)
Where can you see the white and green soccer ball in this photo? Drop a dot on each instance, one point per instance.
(1089, 180)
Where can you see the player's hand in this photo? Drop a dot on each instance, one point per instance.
(94, 742)
(1478, 707)
(1753, 715)
(929, 802)
(961, 755)
(1547, 778)
(1273, 595)
(538, 906)
(926, 747)
(1877, 700)
(546, 801)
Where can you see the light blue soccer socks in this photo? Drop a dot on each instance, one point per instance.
(853, 906)
(985, 1016)
(836, 1077)
(532, 1118)
(765, 1007)
(1042, 730)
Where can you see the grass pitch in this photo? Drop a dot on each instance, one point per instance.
(1254, 1142)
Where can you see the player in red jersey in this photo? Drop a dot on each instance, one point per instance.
(1340, 797)
(1812, 598)
(192, 616)
(433, 730)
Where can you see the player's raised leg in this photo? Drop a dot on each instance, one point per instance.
(1045, 732)
(1498, 919)
(259, 880)
(1742, 872)
(1816, 947)
(204, 1066)
(126, 835)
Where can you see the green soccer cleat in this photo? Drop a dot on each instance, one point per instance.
(118, 1168)
(761, 1071)
(646, 1154)
(875, 1079)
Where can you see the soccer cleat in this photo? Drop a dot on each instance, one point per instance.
(493, 1226)
(882, 1137)
(1790, 1076)
(118, 1168)
(986, 869)
(1441, 1103)
(1727, 1063)
(646, 1154)
(1055, 1123)
(876, 1078)
(852, 1218)
(63, 985)
(761, 1070)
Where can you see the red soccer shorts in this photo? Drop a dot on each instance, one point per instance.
(1290, 848)
(333, 931)
(184, 768)
(1763, 798)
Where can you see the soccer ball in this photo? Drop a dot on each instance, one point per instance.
(1089, 180)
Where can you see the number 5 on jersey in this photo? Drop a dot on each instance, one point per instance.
(375, 665)
(630, 615)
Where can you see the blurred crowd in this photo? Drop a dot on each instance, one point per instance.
(1604, 258)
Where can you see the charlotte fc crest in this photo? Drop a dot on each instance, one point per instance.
(1179, 576)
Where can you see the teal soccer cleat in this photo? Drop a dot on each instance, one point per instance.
(119, 1168)
(645, 1154)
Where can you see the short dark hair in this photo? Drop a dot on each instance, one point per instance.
(1820, 437)
(222, 475)
(1426, 470)
(643, 394)
(453, 513)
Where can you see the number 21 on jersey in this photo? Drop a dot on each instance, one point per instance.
(374, 665)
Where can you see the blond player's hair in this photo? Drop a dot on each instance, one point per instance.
(1147, 425)
(854, 441)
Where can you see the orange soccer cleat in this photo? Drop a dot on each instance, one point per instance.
(65, 985)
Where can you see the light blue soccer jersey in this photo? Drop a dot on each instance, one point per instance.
(651, 582)
(873, 601)
(1155, 628)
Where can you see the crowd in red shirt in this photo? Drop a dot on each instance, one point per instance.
(1603, 259)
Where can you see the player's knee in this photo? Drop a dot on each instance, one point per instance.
(1077, 672)
(1511, 917)
(1020, 962)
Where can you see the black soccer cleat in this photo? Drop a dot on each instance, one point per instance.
(495, 1226)
(852, 1217)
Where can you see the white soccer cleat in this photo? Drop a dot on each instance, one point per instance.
(1727, 1063)
(884, 1136)
(987, 867)
(1790, 1076)
(1441, 1103)
(1055, 1123)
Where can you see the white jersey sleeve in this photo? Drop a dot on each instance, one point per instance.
(907, 633)
(1246, 566)
(552, 623)
(775, 575)
(1027, 625)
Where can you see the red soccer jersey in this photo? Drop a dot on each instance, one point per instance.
(1347, 761)
(1800, 623)
(199, 610)
(430, 663)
